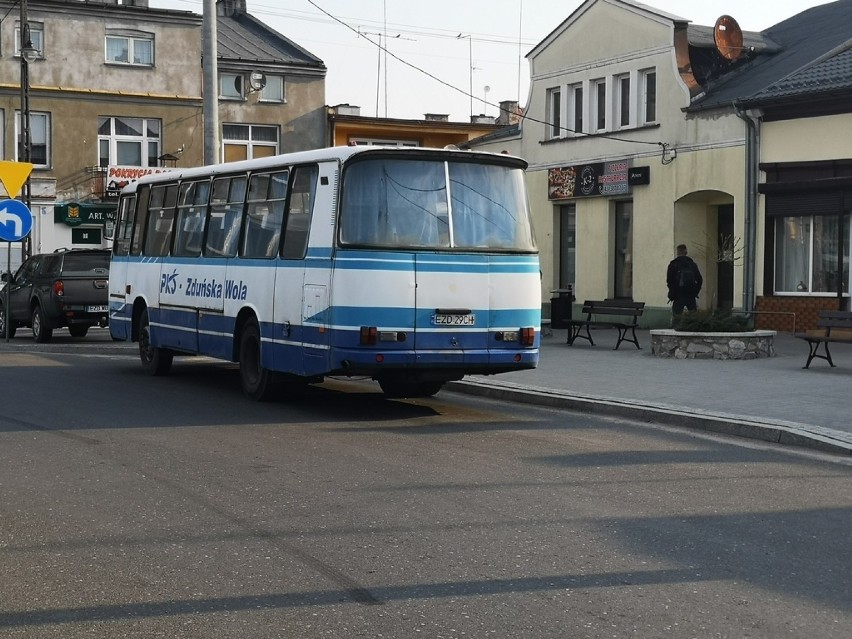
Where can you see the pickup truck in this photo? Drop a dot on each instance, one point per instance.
(67, 288)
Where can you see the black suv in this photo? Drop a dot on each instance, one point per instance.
(54, 290)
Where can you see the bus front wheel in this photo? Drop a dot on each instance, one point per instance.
(155, 361)
(258, 382)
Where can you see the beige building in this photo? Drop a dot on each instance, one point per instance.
(644, 131)
(115, 92)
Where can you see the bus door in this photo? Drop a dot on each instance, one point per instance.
(120, 313)
(302, 282)
(452, 300)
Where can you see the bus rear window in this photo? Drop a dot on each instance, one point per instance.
(411, 203)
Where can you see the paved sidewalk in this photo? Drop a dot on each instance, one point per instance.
(772, 399)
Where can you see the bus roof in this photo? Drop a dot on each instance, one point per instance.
(338, 153)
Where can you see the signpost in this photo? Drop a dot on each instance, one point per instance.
(16, 219)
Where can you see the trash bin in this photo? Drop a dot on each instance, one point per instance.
(561, 309)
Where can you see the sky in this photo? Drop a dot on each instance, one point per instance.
(453, 57)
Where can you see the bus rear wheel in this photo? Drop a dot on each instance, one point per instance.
(258, 382)
(396, 389)
(155, 361)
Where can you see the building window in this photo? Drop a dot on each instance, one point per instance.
(128, 141)
(39, 138)
(136, 49)
(381, 142)
(577, 108)
(36, 38)
(623, 250)
(622, 100)
(274, 89)
(231, 86)
(249, 141)
(806, 254)
(554, 113)
(599, 104)
(649, 96)
(567, 245)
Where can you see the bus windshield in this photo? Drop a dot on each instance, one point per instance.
(409, 203)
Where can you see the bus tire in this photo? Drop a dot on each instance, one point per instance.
(155, 361)
(258, 383)
(395, 389)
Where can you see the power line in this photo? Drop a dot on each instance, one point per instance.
(468, 94)
(450, 35)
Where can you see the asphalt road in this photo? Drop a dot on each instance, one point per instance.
(133, 506)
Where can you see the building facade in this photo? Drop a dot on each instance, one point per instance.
(347, 127)
(644, 131)
(114, 91)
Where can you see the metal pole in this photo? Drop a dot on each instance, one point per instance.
(6, 290)
(211, 83)
(25, 152)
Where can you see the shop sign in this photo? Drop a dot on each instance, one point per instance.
(588, 180)
(120, 176)
(78, 213)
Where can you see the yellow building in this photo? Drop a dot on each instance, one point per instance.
(644, 131)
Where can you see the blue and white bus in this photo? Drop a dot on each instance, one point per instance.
(409, 266)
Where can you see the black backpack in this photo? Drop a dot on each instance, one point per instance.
(687, 281)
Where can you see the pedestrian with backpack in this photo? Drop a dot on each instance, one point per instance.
(684, 281)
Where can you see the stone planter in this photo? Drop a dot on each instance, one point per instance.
(684, 345)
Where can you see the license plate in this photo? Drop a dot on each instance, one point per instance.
(96, 309)
(454, 320)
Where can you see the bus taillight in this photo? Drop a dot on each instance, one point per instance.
(527, 336)
(369, 335)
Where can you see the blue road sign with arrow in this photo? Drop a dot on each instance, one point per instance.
(16, 221)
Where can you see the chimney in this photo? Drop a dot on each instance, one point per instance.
(510, 113)
(481, 119)
(230, 8)
(346, 109)
(437, 117)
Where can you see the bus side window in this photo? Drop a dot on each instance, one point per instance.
(225, 216)
(299, 210)
(143, 198)
(264, 214)
(124, 225)
(161, 215)
(189, 225)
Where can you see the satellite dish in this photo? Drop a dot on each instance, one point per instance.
(257, 81)
(728, 38)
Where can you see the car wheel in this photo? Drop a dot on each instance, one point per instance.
(155, 361)
(78, 330)
(12, 326)
(41, 332)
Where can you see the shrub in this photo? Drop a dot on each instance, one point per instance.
(718, 321)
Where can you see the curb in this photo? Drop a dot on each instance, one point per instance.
(786, 433)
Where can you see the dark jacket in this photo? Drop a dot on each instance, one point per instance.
(692, 288)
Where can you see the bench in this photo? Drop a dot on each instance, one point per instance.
(832, 326)
(597, 311)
